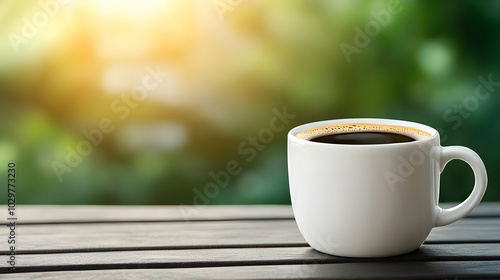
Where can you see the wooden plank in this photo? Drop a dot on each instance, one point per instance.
(227, 234)
(116, 213)
(237, 257)
(81, 237)
(136, 213)
(388, 270)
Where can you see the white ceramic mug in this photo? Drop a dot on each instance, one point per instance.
(373, 200)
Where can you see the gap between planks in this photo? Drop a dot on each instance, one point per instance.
(240, 257)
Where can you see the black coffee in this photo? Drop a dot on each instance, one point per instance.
(363, 138)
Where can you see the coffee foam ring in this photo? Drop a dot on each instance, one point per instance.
(361, 127)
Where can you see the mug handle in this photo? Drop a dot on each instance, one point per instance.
(446, 154)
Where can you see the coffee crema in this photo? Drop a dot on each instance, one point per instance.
(362, 133)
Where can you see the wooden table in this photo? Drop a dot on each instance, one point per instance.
(224, 242)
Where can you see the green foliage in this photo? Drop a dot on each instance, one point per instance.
(225, 78)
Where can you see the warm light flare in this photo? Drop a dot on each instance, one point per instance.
(127, 8)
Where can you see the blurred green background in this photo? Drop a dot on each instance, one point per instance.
(67, 66)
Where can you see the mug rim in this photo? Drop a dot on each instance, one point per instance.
(377, 121)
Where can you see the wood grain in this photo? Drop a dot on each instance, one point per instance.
(60, 238)
(137, 213)
(238, 257)
(29, 214)
(387, 270)
(226, 242)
